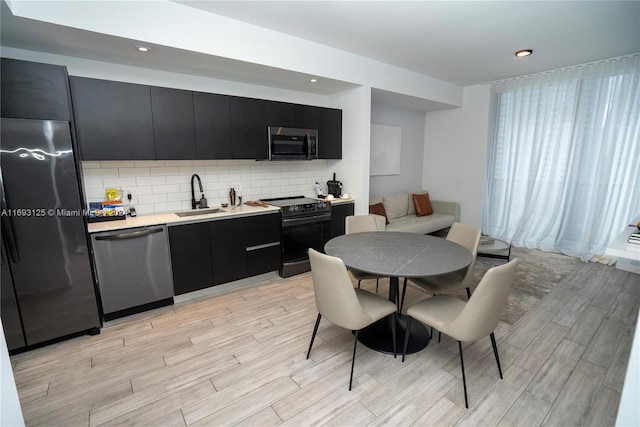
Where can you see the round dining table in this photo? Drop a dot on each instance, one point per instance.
(397, 254)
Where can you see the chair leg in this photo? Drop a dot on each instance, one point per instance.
(313, 336)
(495, 352)
(377, 283)
(406, 337)
(464, 380)
(359, 283)
(439, 336)
(404, 291)
(393, 335)
(468, 294)
(353, 359)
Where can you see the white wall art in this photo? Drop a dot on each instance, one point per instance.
(385, 150)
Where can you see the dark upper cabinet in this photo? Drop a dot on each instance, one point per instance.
(31, 90)
(212, 126)
(248, 128)
(329, 133)
(191, 258)
(173, 123)
(280, 114)
(113, 120)
(328, 122)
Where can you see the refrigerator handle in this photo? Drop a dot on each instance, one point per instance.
(7, 226)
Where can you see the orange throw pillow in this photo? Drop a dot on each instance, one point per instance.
(378, 209)
(422, 204)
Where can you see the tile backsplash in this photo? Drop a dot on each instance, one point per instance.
(158, 186)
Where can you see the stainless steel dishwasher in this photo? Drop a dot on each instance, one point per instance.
(134, 269)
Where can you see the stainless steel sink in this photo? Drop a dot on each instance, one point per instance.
(199, 212)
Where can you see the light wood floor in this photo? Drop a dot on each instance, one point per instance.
(239, 359)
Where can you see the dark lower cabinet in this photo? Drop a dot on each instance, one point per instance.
(113, 120)
(31, 90)
(228, 249)
(173, 124)
(216, 252)
(191, 258)
(338, 214)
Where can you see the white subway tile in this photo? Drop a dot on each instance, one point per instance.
(140, 190)
(229, 177)
(117, 164)
(153, 198)
(177, 179)
(149, 163)
(191, 170)
(95, 194)
(145, 209)
(134, 172)
(177, 163)
(151, 180)
(167, 171)
(101, 173)
(93, 183)
(167, 207)
(178, 197)
(90, 165)
(204, 162)
(209, 178)
(119, 182)
(217, 169)
(164, 189)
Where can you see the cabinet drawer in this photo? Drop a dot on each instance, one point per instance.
(262, 229)
(262, 259)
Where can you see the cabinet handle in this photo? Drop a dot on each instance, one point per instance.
(265, 245)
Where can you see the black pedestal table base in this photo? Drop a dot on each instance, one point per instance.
(377, 336)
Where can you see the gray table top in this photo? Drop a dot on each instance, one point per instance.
(390, 253)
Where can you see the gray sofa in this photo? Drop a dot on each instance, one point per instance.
(401, 213)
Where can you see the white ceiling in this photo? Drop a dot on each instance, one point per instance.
(460, 42)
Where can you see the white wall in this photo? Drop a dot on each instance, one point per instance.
(412, 125)
(10, 410)
(455, 153)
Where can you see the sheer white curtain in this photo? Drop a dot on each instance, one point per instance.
(563, 168)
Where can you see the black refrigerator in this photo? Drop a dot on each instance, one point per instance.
(48, 290)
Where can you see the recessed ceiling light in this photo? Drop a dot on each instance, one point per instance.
(142, 49)
(524, 52)
(313, 80)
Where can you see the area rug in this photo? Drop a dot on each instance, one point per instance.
(538, 273)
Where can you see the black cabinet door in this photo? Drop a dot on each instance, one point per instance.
(191, 257)
(173, 123)
(248, 128)
(113, 120)
(328, 122)
(306, 116)
(338, 214)
(31, 90)
(280, 114)
(263, 236)
(329, 133)
(213, 132)
(229, 250)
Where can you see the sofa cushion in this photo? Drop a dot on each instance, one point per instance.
(378, 209)
(412, 206)
(396, 205)
(422, 204)
(421, 224)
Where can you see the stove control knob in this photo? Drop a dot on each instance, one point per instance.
(291, 208)
(296, 208)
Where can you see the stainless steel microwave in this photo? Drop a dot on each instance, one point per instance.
(292, 143)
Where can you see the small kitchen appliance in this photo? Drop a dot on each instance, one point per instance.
(334, 187)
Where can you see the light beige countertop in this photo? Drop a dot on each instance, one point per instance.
(170, 218)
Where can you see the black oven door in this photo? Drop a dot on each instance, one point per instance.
(300, 234)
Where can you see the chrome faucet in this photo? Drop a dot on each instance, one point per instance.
(203, 200)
